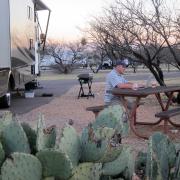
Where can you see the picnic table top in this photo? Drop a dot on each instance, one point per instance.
(143, 92)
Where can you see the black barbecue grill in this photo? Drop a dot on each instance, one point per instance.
(85, 79)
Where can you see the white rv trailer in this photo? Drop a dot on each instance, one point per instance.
(20, 44)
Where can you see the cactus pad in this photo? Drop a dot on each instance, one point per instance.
(5, 118)
(2, 154)
(46, 137)
(123, 164)
(31, 135)
(14, 138)
(161, 156)
(21, 166)
(55, 164)
(113, 117)
(100, 145)
(70, 144)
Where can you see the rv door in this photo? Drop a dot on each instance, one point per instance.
(40, 35)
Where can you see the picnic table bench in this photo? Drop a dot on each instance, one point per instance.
(166, 115)
(97, 109)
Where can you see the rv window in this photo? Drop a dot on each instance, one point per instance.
(30, 44)
(29, 13)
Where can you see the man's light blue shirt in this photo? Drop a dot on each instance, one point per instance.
(112, 80)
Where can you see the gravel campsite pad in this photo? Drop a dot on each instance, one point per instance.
(69, 108)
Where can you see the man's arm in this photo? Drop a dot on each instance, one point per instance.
(119, 81)
(127, 85)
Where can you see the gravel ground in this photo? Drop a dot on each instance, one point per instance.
(62, 109)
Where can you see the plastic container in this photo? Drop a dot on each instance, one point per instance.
(29, 94)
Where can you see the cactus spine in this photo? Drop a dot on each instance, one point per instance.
(87, 171)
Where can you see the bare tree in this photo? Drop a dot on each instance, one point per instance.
(57, 51)
(65, 55)
(76, 50)
(98, 55)
(127, 29)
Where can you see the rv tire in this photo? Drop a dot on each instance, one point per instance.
(5, 101)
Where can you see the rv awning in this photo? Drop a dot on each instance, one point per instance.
(39, 5)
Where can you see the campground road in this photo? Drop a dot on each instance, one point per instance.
(21, 105)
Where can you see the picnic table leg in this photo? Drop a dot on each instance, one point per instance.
(174, 124)
(165, 125)
(124, 101)
(131, 115)
(96, 114)
(165, 108)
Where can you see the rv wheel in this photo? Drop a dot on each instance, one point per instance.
(5, 101)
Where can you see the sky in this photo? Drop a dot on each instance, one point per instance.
(68, 16)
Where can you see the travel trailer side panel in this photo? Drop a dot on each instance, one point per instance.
(5, 62)
(22, 30)
(19, 44)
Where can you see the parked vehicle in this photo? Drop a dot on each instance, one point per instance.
(107, 64)
(20, 44)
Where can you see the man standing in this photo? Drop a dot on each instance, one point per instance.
(115, 79)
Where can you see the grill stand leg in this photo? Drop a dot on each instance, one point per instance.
(81, 91)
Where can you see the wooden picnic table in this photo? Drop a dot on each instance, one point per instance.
(143, 93)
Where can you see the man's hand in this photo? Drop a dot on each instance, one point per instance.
(135, 177)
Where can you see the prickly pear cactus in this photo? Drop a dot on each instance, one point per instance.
(87, 171)
(46, 137)
(2, 154)
(5, 118)
(14, 138)
(21, 166)
(100, 145)
(31, 135)
(103, 177)
(110, 178)
(49, 178)
(161, 156)
(140, 164)
(176, 173)
(113, 117)
(177, 146)
(55, 163)
(123, 164)
(70, 144)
